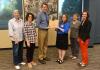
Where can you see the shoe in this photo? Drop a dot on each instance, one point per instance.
(57, 60)
(17, 67)
(61, 61)
(82, 64)
(29, 65)
(46, 59)
(34, 63)
(22, 63)
(74, 57)
(42, 61)
(70, 56)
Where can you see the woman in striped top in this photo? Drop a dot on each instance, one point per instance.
(30, 38)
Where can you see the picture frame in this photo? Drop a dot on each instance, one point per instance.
(34, 6)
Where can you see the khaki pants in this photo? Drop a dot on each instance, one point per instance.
(42, 43)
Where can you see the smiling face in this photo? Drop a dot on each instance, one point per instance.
(64, 18)
(75, 17)
(84, 16)
(16, 14)
(30, 18)
(44, 7)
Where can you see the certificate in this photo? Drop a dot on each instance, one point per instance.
(53, 23)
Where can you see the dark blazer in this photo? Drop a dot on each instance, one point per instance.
(84, 30)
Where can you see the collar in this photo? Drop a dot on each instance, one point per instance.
(17, 20)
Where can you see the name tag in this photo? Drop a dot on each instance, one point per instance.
(62, 26)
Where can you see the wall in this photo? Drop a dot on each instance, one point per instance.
(4, 39)
(94, 11)
(6, 43)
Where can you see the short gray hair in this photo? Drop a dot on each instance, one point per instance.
(16, 11)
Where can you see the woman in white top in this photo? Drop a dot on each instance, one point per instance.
(15, 27)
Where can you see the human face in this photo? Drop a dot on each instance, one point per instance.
(75, 17)
(84, 16)
(16, 14)
(44, 8)
(30, 18)
(64, 18)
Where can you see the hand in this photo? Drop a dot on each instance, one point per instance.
(14, 39)
(56, 27)
(82, 41)
(60, 29)
(16, 42)
(28, 43)
(78, 39)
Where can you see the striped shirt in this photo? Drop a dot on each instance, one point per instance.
(30, 32)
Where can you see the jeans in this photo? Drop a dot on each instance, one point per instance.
(17, 52)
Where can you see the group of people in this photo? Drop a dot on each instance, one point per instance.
(20, 32)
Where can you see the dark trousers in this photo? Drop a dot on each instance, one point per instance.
(74, 47)
(30, 52)
(17, 52)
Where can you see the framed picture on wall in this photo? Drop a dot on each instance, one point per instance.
(6, 9)
(33, 6)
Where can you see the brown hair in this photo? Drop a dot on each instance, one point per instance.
(87, 14)
(44, 4)
(66, 17)
(28, 16)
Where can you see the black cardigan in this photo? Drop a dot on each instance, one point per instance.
(84, 30)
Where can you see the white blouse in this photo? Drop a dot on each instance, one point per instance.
(15, 28)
